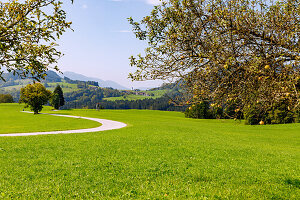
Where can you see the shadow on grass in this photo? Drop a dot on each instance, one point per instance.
(293, 182)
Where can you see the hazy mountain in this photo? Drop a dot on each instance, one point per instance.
(14, 80)
(102, 83)
(52, 77)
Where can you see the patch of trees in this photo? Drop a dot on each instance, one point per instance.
(168, 86)
(6, 98)
(36, 95)
(13, 92)
(278, 114)
(150, 104)
(81, 84)
(89, 96)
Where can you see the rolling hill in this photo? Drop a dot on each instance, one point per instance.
(102, 83)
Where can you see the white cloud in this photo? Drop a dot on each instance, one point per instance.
(153, 2)
(84, 6)
(123, 31)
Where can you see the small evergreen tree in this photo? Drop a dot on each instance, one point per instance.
(57, 99)
(54, 101)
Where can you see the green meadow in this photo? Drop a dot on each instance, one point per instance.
(131, 97)
(66, 87)
(160, 155)
(12, 120)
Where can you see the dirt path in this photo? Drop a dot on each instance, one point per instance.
(106, 125)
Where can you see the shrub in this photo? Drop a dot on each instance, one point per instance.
(253, 115)
(6, 98)
(198, 111)
(278, 114)
(281, 114)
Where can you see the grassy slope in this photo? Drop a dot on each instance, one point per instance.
(66, 87)
(160, 155)
(157, 94)
(12, 120)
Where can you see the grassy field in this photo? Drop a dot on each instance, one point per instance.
(14, 87)
(66, 87)
(132, 97)
(12, 120)
(160, 155)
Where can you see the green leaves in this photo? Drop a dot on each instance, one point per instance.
(35, 96)
(226, 46)
(28, 31)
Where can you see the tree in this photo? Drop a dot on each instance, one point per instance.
(225, 51)
(54, 100)
(28, 31)
(35, 96)
(57, 99)
(6, 98)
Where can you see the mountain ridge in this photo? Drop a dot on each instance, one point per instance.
(102, 83)
(53, 76)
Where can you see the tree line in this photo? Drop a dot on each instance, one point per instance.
(6, 98)
(36, 95)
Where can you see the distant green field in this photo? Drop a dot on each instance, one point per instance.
(158, 92)
(131, 97)
(66, 87)
(12, 120)
(160, 155)
(17, 87)
(20, 83)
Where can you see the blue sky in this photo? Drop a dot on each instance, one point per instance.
(102, 40)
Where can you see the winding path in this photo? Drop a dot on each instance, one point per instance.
(106, 125)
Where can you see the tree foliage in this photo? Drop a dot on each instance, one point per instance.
(57, 98)
(6, 98)
(54, 101)
(226, 52)
(35, 96)
(28, 31)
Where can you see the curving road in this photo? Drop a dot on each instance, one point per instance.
(106, 125)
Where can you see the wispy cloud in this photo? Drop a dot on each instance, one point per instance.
(84, 6)
(153, 2)
(123, 31)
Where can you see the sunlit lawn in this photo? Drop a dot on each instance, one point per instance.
(160, 155)
(12, 120)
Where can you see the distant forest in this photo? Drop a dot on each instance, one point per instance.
(92, 98)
